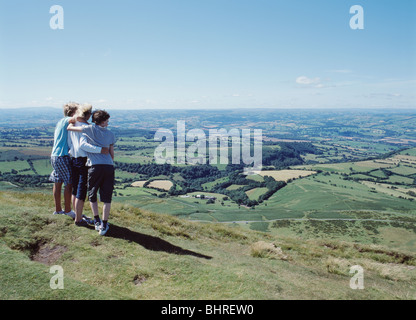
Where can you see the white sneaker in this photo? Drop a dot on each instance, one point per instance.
(59, 212)
(103, 231)
(70, 214)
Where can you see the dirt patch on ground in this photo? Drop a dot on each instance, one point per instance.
(48, 255)
(139, 279)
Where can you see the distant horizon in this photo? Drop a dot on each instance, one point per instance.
(230, 108)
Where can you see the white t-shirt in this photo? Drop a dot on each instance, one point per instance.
(74, 146)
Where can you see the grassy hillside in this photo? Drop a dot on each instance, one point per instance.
(156, 256)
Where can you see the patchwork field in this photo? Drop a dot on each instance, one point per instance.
(161, 184)
(138, 183)
(157, 184)
(334, 182)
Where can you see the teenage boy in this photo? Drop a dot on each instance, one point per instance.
(79, 163)
(61, 162)
(101, 172)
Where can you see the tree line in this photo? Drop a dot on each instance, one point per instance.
(195, 176)
(289, 154)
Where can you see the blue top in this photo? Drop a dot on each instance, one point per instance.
(60, 143)
(100, 137)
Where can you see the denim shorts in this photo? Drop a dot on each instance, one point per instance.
(79, 178)
(101, 179)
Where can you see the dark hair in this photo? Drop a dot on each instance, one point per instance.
(100, 116)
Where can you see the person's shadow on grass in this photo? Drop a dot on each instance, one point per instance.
(150, 242)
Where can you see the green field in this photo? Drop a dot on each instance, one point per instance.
(404, 170)
(235, 187)
(255, 193)
(43, 166)
(209, 185)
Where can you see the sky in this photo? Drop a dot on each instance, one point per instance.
(208, 54)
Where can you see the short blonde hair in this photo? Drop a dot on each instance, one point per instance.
(70, 108)
(84, 110)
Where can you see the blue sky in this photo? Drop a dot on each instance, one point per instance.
(208, 54)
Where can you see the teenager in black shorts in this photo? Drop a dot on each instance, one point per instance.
(101, 171)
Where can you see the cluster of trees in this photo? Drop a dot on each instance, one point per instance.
(289, 154)
(27, 180)
(32, 167)
(240, 196)
(149, 170)
(195, 176)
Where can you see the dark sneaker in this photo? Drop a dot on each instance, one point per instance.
(81, 223)
(88, 220)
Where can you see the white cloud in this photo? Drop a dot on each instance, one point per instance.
(308, 81)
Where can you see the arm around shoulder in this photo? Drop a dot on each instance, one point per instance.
(71, 127)
(88, 147)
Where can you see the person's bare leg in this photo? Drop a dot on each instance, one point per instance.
(79, 207)
(57, 188)
(106, 211)
(73, 201)
(94, 208)
(68, 197)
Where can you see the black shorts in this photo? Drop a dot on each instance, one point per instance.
(101, 178)
(79, 178)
